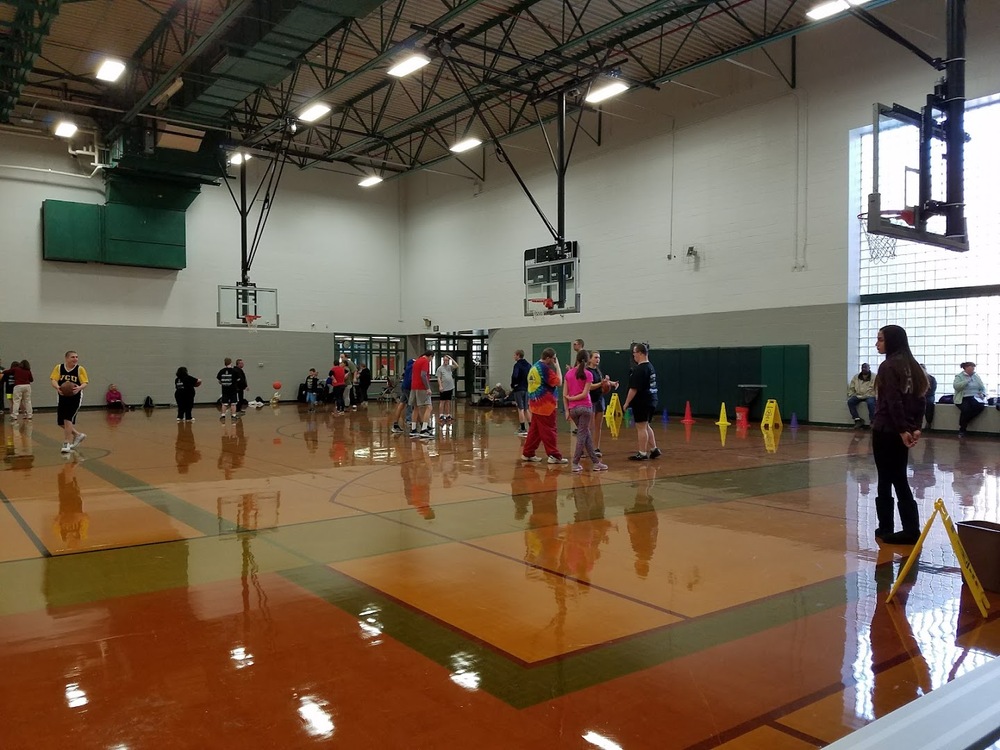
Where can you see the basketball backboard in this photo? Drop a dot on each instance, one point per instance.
(551, 280)
(237, 302)
(910, 177)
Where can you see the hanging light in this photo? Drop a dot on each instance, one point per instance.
(409, 65)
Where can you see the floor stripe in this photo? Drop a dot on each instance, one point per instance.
(24, 524)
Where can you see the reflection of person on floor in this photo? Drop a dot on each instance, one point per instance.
(71, 523)
(233, 449)
(588, 530)
(185, 451)
(894, 685)
(311, 434)
(416, 476)
(338, 444)
(642, 521)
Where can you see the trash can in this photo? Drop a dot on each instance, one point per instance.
(981, 540)
(742, 416)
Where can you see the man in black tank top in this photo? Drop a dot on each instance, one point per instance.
(72, 372)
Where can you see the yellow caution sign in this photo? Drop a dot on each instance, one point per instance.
(971, 579)
(613, 415)
(772, 417)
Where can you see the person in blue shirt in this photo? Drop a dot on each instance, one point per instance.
(519, 390)
(402, 394)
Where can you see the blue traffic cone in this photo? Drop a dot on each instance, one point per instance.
(794, 424)
(666, 417)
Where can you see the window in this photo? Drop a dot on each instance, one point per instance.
(382, 354)
(942, 332)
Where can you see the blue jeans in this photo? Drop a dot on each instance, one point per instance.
(852, 406)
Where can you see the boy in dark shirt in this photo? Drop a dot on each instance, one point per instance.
(312, 387)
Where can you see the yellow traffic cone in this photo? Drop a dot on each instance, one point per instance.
(722, 416)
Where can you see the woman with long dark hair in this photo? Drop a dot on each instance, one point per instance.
(899, 412)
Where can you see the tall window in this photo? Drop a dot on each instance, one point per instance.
(942, 332)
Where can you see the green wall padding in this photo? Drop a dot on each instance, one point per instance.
(71, 231)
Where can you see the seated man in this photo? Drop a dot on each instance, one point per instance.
(861, 388)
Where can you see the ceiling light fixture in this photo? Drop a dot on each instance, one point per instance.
(605, 89)
(314, 112)
(832, 8)
(412, 63)
(369, 181)
(111, 70)
(465, 145)
(237, 158)
(65, 129)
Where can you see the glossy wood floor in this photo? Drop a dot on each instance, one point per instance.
(299, 580)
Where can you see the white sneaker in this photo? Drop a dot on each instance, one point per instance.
(191, 420)
(577, 468)
(66, 448)
(554, 460)
(531, 459)
(80, 437)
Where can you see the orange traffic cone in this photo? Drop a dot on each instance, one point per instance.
(688, 419)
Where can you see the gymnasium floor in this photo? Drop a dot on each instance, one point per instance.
(291, 582)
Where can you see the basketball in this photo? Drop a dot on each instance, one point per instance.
(606, 386)
(276, 385)
(66, 388)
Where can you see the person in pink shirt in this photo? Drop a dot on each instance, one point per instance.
(579, 384)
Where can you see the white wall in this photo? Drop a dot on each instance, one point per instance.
(755, 179)
(331, 250)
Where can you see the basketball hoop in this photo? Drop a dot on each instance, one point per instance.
(882, 247)
(251, 321)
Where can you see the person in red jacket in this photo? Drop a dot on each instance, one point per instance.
(20, 376)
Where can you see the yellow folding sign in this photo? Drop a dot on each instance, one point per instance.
(613, 415)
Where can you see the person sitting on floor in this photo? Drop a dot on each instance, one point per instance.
(113, 398)
(861, 388)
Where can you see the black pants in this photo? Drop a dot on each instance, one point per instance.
(185, 401)
(970, 409)
(891, 457)
(338, 396)
(929, 412)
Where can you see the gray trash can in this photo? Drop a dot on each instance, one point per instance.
(981, 540)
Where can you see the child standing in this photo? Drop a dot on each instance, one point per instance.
(579, 384)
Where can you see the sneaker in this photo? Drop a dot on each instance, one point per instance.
(655, 453)
(222, 417)
(859, 423)
(577, 468)
(599, 467)
(66, 448)
(531, 459)
(80, 437)
(179, 419)
(555, 460)
(426, 435)
(414, 433)
(597, 452)
(522, 433)
(638, 457)
(396, 429)
(191, 420)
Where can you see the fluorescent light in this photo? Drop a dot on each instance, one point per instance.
(65, 129)
(369, 181)
(832, 8)
(237, 158)
(111, 70)
(465, 145)
(410, 64)
(606, 90)
(314, 112)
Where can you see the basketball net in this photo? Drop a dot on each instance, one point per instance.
(251, 321)
(882, 247)
(543, 304)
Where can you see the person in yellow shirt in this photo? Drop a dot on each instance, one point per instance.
(70, 371)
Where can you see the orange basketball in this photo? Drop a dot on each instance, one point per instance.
(66, 388)
(606, 386)
(276, 385)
